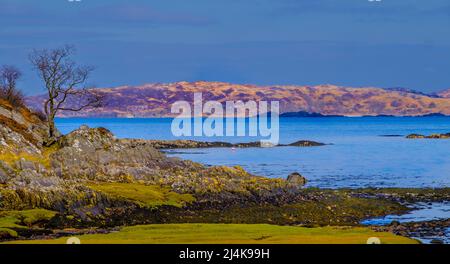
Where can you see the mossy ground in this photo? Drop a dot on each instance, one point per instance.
(233, 234)
(44, 158)
(144, 195)
(24, 218)
(10, 221)
(320, 208)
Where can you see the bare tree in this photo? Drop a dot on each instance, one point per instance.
(64, 81)
(9, 75)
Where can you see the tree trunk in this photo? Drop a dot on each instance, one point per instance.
(51, 124)
(51, 127)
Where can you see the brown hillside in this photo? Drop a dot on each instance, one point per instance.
(155, 100)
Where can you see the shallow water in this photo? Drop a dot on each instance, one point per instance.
(423, 212)
(361, 155)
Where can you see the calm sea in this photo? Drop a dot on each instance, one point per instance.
(363, 151)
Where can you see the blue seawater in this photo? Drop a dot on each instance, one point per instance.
(363, 151)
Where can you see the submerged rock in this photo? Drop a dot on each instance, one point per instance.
(437, 241)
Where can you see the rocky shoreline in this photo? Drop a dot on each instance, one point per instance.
(90, 180)
(436, 231)
(308, 208)
(191, 144)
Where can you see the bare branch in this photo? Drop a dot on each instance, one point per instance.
(64, 80)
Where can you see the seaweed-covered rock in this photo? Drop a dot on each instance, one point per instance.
(6, 233)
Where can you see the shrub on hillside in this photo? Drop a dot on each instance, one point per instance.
(9, 75)
(15, 98)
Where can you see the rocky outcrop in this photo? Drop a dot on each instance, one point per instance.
(413, 136)
(74, 178)
(20, 130)
(306, 143)
(5, 172)
(439, 136)
(191, 144)
(435, 231)
(432, 136)
(85, 155)
(96, 154)
(57, 177)
(179, 144)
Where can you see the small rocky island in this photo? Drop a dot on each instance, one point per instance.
(432, 136)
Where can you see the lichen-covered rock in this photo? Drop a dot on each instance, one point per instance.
(88, 139)
(12, 141)
(57, 177)
(6, 172)
(20, 130)
(3, 176)
(23, 164)
(95, 153)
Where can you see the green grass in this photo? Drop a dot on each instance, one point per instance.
(7, 233)
(233, 234)
(145, 195)
(10, 221)
(26, 218)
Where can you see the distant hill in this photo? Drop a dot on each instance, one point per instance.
(445, 94)
(305, 114)
(155, 100)
(407, 90)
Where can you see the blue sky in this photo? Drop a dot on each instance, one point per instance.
(392, 43)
